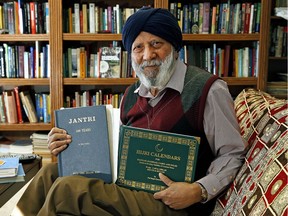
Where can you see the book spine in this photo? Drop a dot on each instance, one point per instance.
(18, 105)
(206, 17)
(10, 105)
(2, 62)
(85, 18)
(3, 117)
(77, 17)
(32, 18)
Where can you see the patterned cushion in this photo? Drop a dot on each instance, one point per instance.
(260, 187)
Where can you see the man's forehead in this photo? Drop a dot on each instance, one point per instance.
(147, 37)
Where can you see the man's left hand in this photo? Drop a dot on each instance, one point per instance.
(178, 195)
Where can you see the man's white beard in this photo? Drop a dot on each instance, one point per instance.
(154, 78)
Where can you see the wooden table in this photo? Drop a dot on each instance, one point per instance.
(8, 190)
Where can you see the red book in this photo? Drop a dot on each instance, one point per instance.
(18, 104)
(247, 17)
(32, 18)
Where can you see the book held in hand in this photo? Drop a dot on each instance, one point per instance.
(8, 166)
(144, 153)
(88, 153)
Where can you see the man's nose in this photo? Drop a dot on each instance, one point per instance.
(149, 53)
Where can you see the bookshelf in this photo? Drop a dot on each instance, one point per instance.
(59, 86)
(277, 68)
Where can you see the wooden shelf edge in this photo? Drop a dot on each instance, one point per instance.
(128, 81)
(99, 81)
(221, 37)
(92, 37)
(24, 37)
(186, 37)
(23, 81)
(26, 127)
(240, 81)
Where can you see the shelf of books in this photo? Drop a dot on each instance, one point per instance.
(277, 69)
(95, 66)
(25, 105)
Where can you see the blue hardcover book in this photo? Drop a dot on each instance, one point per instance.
(8, 166)
(20, 177)
(88, 154)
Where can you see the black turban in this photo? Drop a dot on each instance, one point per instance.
(157, 21)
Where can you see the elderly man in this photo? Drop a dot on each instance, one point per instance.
(170, 97)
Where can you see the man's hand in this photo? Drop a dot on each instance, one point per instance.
(178, 195)
(58, 140)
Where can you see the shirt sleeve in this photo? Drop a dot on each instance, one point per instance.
(223, 134)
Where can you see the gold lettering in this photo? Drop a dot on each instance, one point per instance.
(166, 156)
(141, 152)
(82, 119)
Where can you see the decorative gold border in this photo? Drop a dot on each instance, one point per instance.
(169, 138)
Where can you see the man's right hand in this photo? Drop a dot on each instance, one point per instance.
(58, 140)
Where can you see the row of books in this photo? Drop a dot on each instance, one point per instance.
(19, 17)
(17, 106)
(93, 98)
(107, 62)
(21, 61)
(225, 61)
(90, 18)
(223, 18)
(278, 41)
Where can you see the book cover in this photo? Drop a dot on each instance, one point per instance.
(8, 166)
(20, 177)
(144, 153)
(110, 62)
(88, 154)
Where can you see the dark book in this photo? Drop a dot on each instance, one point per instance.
(144, 153)
(88, 154)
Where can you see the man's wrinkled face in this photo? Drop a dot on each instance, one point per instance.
(153, 60)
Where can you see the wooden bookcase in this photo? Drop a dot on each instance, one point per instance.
(57, 40)
(277, 63)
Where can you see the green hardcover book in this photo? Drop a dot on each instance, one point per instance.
(144, 153)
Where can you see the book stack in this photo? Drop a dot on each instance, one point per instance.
(8, 146)
(11, 170)
(39, 141)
